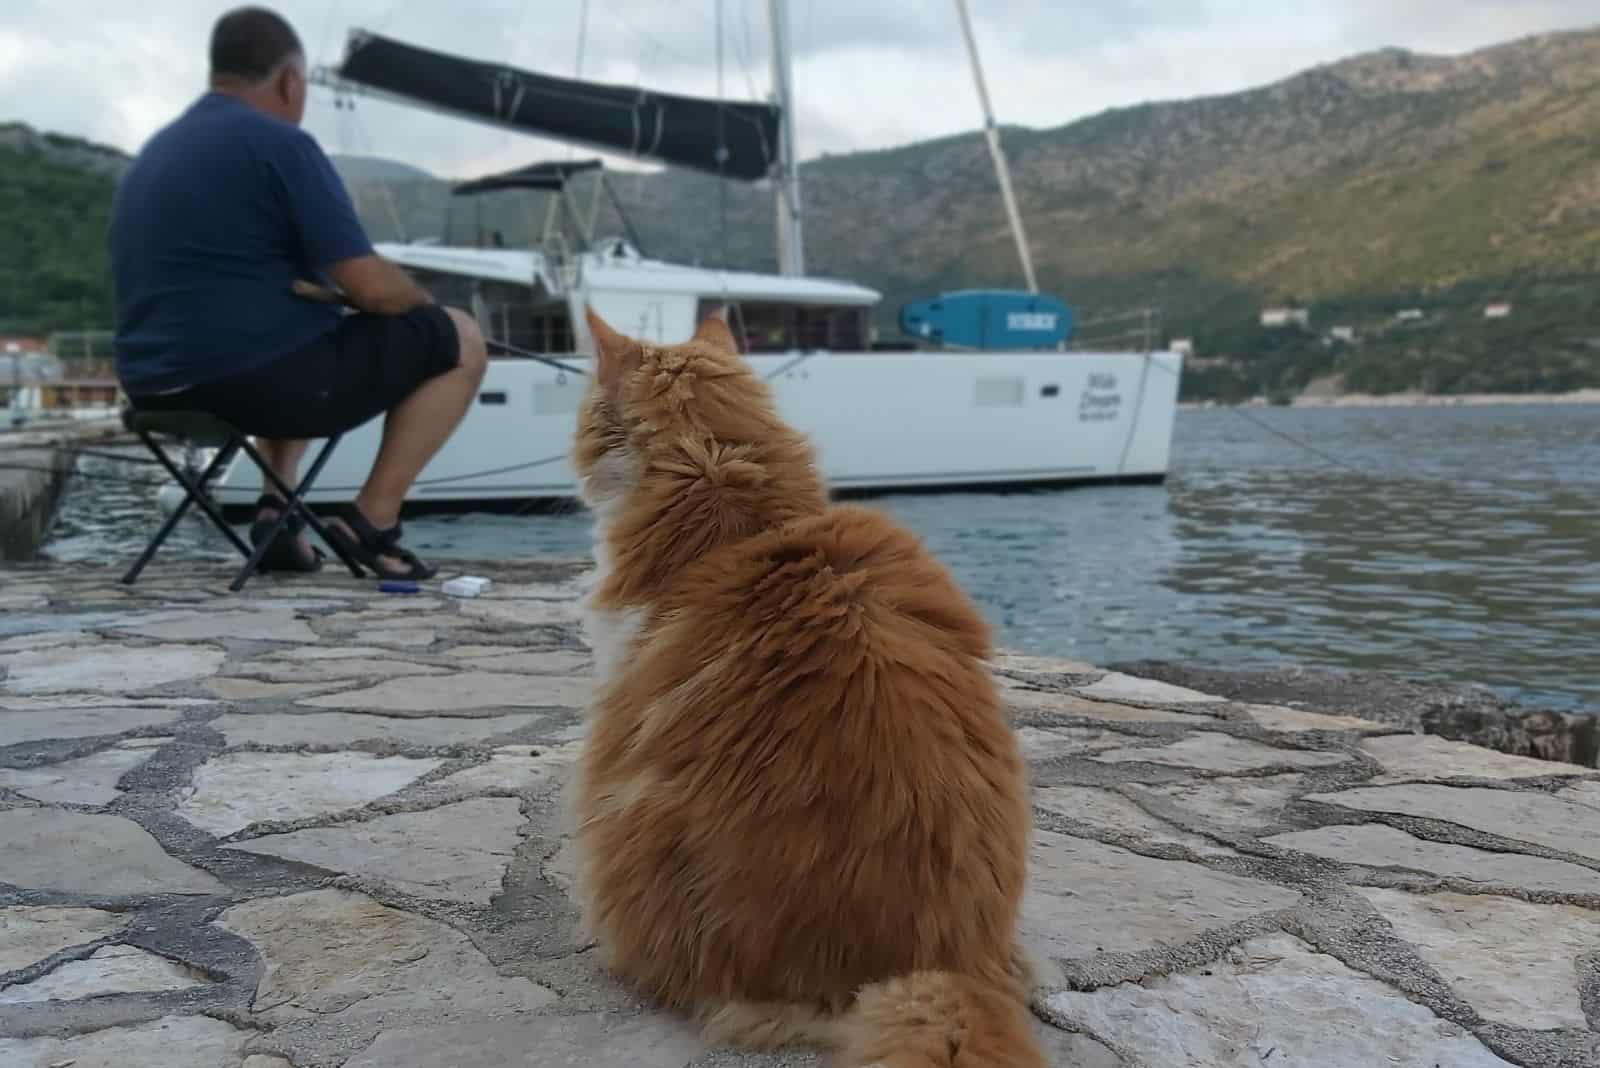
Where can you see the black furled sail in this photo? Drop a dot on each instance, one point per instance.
(732, 139)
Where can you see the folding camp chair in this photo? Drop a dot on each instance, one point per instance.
(206, 430)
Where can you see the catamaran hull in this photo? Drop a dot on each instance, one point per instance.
(881, 422)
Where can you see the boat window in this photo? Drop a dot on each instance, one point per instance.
(997, 392)
(514, 314)
(778, 327)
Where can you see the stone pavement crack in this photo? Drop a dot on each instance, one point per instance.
(313, 826)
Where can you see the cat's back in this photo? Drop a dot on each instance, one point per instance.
(839, 634)
(848, 583)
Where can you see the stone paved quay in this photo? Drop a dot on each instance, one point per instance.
(314, 825)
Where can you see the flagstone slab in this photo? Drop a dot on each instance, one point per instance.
(42, 724)
(268, 623)
(90, 780)
(333, 952)
(546, 1041)
(1270, 999)
(463, 691)
(329, 652)
(556, 613)
(1086, 898)
(1111, 812)
(1039, 743)
(234, 790)
(329, 669)
(1413, 757)
(56, 702)
(339, 730)
(53, 849)
(520, 768)
(457, 852)
(1066, 704)
(1115, 686)
(1212, 751)
(1518, 815)
(535, 662)
(1583, 793)
(1283, 719)
(1378, 845)
(1515, 962)
(30, 933)
(171, 1042)
(1243, 804)
(109, 970)
(250, 690)
(106, 668)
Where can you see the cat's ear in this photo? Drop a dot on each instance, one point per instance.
(615, 356)
(714, 331)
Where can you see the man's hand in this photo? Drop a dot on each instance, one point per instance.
(374, 284)
(321, 294)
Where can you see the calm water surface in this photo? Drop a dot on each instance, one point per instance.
(1455, 544)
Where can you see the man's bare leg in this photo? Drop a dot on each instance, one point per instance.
(283, 455)
(417, 428)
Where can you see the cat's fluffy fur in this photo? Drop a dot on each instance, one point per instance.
(800, 812)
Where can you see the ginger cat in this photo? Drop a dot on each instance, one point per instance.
(800, 813)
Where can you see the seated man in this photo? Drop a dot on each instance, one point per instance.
(218, 218)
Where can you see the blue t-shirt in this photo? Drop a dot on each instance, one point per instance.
(223, 209)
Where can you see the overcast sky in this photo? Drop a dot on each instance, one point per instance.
(868, 73)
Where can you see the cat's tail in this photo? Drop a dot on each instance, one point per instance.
(940, 1020)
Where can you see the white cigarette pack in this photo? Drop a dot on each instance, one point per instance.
(465, 586)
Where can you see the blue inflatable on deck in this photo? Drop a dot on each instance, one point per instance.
(989, 319)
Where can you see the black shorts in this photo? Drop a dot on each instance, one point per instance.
(365, 366)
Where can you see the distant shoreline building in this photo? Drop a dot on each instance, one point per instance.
(1284, 316)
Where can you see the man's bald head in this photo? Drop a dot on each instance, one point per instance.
(257, 56)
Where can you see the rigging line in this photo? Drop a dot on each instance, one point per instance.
(722, 139)
(511, 61)
(792, 364)
(1320, 454)
(1291, 439)
(1138, 406)
(746, 50)
(548, 361)
(583, 47)
(365, 141)
(327, 28)
(646, 37)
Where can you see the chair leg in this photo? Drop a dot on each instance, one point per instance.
(194, 492)
(294, 503)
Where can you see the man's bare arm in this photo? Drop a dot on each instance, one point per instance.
(374, 284)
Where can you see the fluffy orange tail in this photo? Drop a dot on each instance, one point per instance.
(940, 1020)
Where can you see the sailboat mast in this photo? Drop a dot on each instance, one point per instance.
(791, 243)
(991, 133)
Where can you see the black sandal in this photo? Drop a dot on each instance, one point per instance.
(284, 552)
(371, 545)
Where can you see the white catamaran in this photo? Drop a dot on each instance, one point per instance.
(1012, 407)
